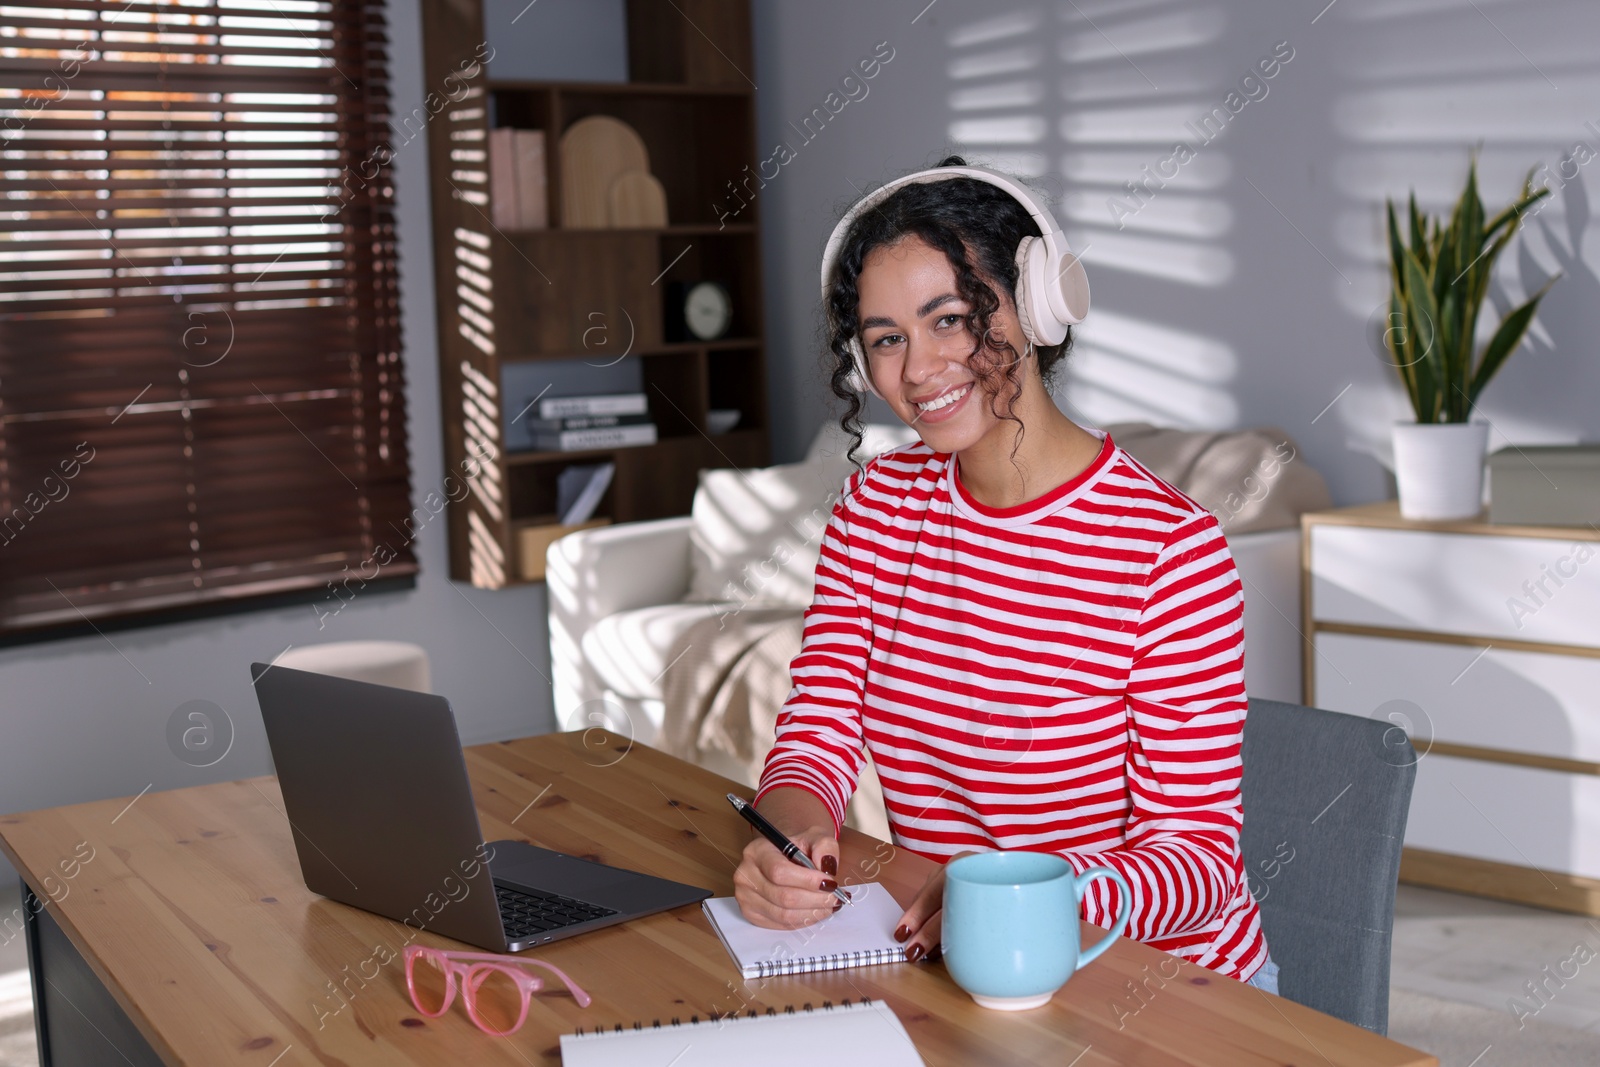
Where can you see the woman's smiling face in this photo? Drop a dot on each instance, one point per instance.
(915, 333)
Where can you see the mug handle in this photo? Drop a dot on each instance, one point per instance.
(1079, 884)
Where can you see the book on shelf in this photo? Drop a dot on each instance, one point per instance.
(502, 180)
(579, 489)
(604, 437)
(584, 422)
(562, 407)
(517, 194)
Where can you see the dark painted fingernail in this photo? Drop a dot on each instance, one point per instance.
(830, 865)
(829, 885)
(902, 932)
(914, 953)
(838, 904)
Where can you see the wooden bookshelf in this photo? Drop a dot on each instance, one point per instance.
(510, 299)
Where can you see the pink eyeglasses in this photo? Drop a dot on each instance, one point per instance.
(494, 989)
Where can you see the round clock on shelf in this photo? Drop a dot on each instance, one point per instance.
(699, 311)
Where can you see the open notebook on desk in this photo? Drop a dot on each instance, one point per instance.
(865, 1032)
(857, 935)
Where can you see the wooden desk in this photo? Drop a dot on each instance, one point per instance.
(192, 923)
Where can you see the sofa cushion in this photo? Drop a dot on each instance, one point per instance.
(756, 534)
(1249, 479)
(628, 649)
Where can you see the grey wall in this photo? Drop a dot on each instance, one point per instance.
(1244, 291)
(86, 718)
(566, 40)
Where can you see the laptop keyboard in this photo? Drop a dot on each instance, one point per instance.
(526, 914)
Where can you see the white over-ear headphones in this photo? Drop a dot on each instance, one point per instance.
(1052, 289)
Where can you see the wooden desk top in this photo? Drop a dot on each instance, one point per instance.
(1385, 515)
(192, 912)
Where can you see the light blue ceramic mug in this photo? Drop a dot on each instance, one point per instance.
(1010, 928)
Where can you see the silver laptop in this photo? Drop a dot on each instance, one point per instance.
(375, 787)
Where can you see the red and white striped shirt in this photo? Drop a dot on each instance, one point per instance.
(1064, 676)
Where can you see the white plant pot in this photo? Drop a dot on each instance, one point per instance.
(1439, 468)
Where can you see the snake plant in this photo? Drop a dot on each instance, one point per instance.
(1438, 286)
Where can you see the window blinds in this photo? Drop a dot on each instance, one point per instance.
(201, 395)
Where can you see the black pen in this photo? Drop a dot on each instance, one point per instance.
(790, 850)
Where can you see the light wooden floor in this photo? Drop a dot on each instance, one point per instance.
(1457, 963)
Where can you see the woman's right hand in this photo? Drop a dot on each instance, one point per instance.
(775, 892)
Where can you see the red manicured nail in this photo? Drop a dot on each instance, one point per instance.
(902, 932)
(914, 953)
(830, 865)
(829, 885)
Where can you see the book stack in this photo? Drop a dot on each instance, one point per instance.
(517, 179)
(608, 420)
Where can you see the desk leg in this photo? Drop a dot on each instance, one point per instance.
(77, 1020)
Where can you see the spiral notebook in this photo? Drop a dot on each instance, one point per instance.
(857, 935)
(865, 1032)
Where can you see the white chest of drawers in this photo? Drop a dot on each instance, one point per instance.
(1482, 642)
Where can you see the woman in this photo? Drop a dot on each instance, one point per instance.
(1039, 642)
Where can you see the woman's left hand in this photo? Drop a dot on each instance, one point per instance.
(922, 923)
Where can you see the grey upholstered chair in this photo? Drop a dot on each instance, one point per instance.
(1325, 803)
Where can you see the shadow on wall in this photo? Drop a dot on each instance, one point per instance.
(1577, 294)
(1119, 114)
(1429, 83)
(1222, 170)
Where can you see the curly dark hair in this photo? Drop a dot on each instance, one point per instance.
(955, 215)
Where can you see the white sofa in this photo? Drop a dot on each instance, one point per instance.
(616, 605)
